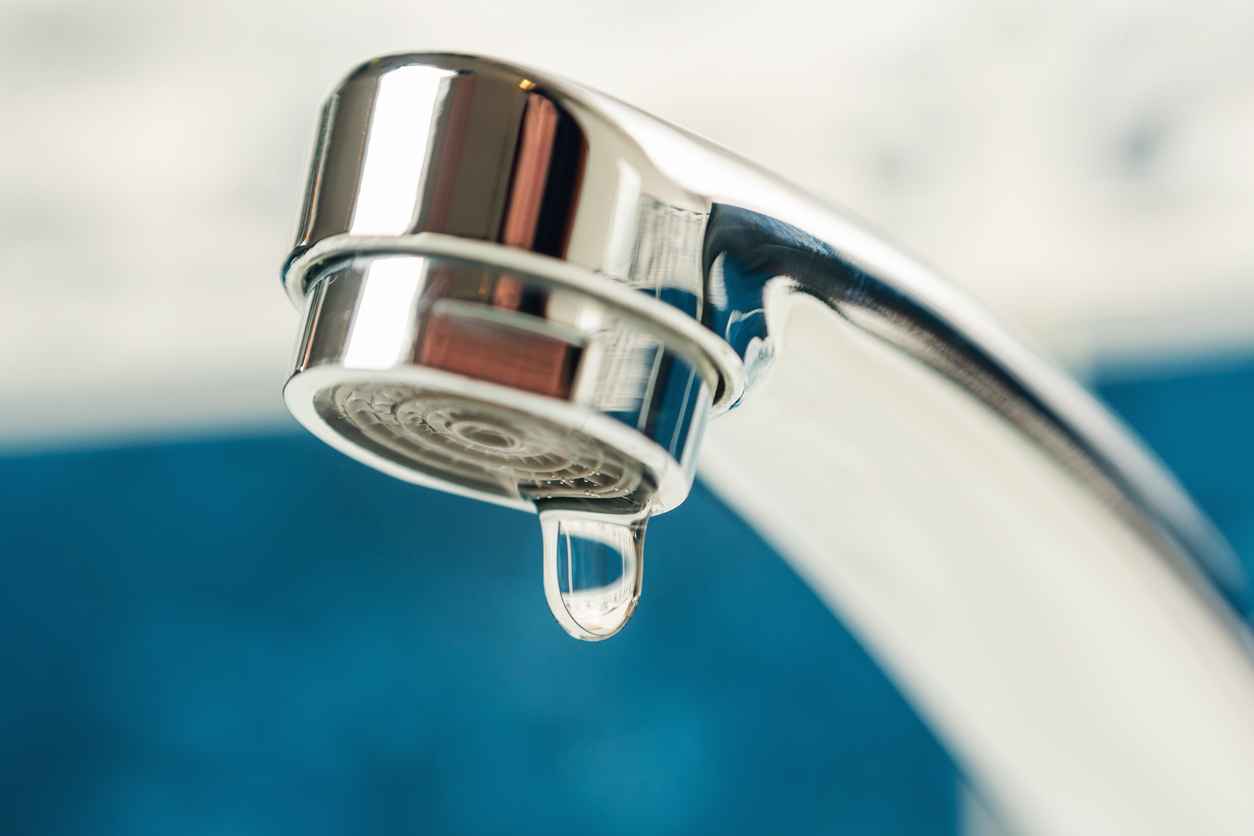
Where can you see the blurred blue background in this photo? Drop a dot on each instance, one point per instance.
(255, 635)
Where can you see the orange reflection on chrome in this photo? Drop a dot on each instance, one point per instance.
(497, 353)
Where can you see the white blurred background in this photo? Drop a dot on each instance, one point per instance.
(1083, 168)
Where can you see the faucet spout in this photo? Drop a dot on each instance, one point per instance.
(527, 292)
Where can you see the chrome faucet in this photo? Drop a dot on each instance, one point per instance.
(523, 291)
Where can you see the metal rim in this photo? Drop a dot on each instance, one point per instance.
(680, 332)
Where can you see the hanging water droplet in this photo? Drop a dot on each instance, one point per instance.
(593, 566)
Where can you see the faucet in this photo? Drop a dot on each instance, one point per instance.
(523, 291)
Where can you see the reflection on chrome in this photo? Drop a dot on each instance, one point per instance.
(523, 291)
(396, 147)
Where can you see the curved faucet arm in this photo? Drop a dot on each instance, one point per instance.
(1063, 647)
(1043, 590)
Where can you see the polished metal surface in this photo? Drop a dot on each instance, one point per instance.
(1044, 592)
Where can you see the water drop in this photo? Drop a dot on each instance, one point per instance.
(593, 566)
